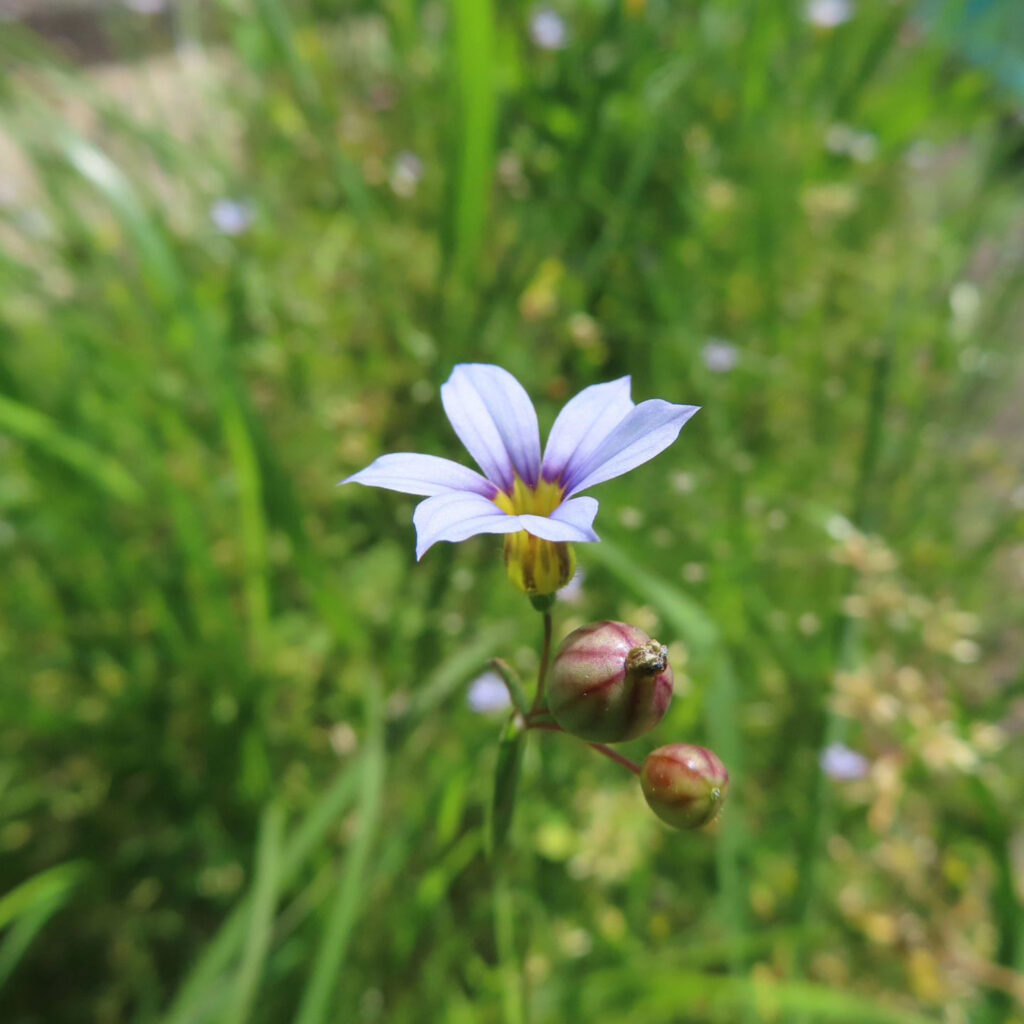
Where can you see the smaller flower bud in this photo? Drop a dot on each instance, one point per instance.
(609, 682)
(684, 785)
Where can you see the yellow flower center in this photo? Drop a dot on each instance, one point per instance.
(535, 566)
(541, 500)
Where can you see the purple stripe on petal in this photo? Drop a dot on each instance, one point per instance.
(584, 422)
(571, 521)
(645, 432)
(495, 420)
(412, 473)
(455, 517)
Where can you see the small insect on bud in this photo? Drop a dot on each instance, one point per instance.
(684, 785)
(609, 682)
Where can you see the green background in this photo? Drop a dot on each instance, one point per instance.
(239, 779)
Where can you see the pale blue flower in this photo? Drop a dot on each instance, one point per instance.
(488, 693)
(548, 30)
(829, 13)
(841, 763)
(720, 356)
(230, 216)
(598, 435)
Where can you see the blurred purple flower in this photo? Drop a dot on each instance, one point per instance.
(230, 216)
(488, 693)
(600, 434)
(720, 356)
(548, 30)
(829, 13)
(841, 763)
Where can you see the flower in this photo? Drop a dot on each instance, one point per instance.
(533, 500)
(230, 216)
(406, 174)
(829, 13)
(548, 31)
(720, 356)
(841, 763)
(488, 693)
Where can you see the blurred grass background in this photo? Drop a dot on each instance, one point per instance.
(239, 780)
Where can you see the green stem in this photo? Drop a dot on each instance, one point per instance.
(545, 660)
(513, 1003)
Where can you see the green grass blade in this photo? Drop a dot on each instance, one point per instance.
(315, 1007)
(205, 977)
(694, 625)
(28, 907)
(474, 40)
(506, 783)
(265, 892)
(98, 468)
(667, 993)
(504, 937)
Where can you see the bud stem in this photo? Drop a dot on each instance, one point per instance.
(616, 756)
(535, 721)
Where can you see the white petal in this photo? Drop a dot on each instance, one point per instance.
(645, 432)
(457, 516)
(412, 473)
(571, 521)
(584, 422)
(495, 420)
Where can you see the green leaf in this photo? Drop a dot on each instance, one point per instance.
(514, 683)
(28, 907)
(195, 996)
(315, 1007)
(473, 26)
(506, 783)
(97, 467)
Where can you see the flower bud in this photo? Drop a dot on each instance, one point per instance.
(609, 682)
(684, 785)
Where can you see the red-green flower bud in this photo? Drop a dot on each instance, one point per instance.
(684, 785)
(609, 682)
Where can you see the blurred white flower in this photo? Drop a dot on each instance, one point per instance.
(548, 30)
(841, 763)
(829, 13)
(844, 140)
(720, 356)
(230, 216)
(145, 6)
(488, 693)
(964, 304)
(406, 174)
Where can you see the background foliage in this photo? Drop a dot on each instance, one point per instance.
(239, 780)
